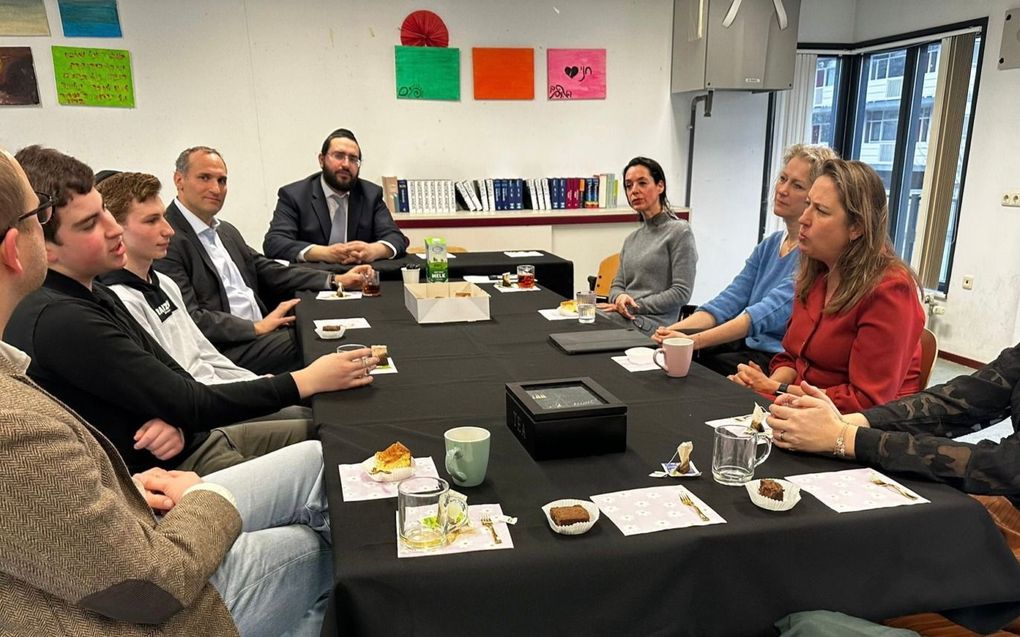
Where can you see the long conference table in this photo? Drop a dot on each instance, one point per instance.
(727, 579)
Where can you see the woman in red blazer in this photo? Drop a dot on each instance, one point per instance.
(857, 320)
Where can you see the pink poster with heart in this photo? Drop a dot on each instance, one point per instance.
(576, 74)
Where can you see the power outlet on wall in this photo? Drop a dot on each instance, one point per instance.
(968, 282)
(1011, 198)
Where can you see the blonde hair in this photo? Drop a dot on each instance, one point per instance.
(814, 154)
(866, 259)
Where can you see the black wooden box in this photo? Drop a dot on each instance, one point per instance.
(566, 418)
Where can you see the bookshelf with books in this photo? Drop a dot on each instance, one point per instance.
(500, 194)
(580, 218)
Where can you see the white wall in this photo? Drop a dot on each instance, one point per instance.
(827, 20)
(726, 187)
(979, 322)
(266, 81)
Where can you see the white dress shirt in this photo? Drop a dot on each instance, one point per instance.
(240, 297)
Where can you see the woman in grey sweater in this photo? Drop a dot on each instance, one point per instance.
(657, 261)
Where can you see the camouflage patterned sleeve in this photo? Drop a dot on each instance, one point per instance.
(962, 405)
(910, 435)
(985, 468)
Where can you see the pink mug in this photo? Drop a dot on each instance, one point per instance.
(676, 353)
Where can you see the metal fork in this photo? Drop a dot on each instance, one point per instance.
(882, 483)
(487, 523)
(686, 501)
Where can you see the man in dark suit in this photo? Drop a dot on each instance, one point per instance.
(224, 282)
(333, 216)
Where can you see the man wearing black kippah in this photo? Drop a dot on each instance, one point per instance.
(334, 216)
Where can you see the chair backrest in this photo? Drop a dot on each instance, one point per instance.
(607, 272)
(929, 353)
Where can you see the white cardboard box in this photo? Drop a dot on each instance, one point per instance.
(439, 303)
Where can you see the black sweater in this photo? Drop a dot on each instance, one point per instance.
(87, 351)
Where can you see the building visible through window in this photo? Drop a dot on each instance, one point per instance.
(885, 121)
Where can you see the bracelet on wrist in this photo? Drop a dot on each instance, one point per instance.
(784, 388)
(839, 449)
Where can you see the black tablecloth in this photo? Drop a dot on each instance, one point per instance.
(728, 579)
(551, 271)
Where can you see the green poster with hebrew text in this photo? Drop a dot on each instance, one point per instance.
(93, 77)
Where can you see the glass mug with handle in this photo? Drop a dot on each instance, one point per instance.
(735, 453)
(428, 512)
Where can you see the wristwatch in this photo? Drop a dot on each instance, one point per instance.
(784, 388)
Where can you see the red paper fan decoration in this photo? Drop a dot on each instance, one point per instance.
(424, 28)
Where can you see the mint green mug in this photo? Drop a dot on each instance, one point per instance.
(467, 455)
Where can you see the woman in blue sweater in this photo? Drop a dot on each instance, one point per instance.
(747, 320)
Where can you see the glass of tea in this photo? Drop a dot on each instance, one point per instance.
(370, 287)
(525, 276)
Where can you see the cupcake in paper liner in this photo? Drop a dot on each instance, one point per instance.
(576, 528)
(773, 494)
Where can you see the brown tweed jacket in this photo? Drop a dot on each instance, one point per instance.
(80, 551)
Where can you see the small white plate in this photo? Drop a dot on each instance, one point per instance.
(331, 335)
(393, 476)
(791, 495)
(640, 355)
(572, 529)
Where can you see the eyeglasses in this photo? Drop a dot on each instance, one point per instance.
(339, 157)
(44, 212)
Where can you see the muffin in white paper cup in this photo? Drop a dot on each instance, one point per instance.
(791, 495)
(572, 529)
(331, 335)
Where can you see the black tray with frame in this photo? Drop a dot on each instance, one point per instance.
(566, 418)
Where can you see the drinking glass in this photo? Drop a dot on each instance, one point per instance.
(586, 307)
(525, 276)
(371, 286)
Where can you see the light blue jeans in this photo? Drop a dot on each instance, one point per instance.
(277, 576)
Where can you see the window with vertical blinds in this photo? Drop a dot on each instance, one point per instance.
(904, 106)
